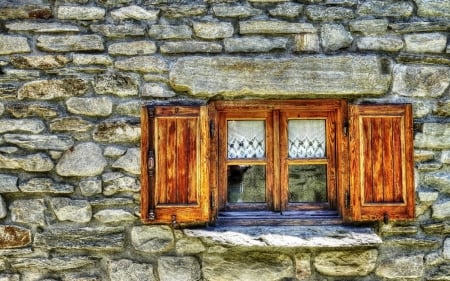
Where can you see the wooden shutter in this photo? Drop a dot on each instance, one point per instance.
(381, 162)
(174, 162)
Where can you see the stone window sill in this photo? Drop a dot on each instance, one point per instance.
(289, 236)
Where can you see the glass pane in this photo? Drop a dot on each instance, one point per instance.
(307, 183)
(306, 138)
(246, 184)
(246, 139)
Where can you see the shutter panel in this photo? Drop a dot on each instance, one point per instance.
(381, 162)
(175, 165)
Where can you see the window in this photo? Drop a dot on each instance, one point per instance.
(276, 162)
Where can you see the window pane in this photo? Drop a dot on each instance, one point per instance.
(246, 139)
(246, 184)
(306, 138)
(307, 183)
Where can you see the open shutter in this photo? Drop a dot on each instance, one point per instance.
(381, 162)
(174, 161)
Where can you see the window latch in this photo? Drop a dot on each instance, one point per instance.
(347, 199)
(212, 128)
(151, 162)
(346, 128)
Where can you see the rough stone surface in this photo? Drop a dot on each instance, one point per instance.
(80, 13)
(13, 45)
(90, 106)
(439, 180)
(287, 10)
(116, 83)
(70, 124)
(425, 42)
(115, 182)
(84, 160)
(164, 32)
(152, 239)
(369, 26)
(67, 209)
(90, 186)
(210, 30)
(142, 64)
(114, 216)
(52, 89)
(28, 211)
(388, 44)
(433, 8)
(389, 8)
(335, 37)
(132, 48)
(39, 62)
(31, 163)
(355, 263)
(8, 183)
(179, 268)
(235, 11)
(53, 142)
(118, 31)
(441, 210)
(24, 125)
(446, 252)
(130, 162)
(82, 59)
(433, 136)
(23, 110)
(344, 75)
(420, 81)
(70, 43)
(45, 185)
(12, 236)
(253, 44)
(42, 27)
(134, 12)
(156, 90)
(117, 131)
(128, 270)
(322, 13)
(274, 27)
(54, 264)
(3, 209)
(307, 42)
(190, 47)
(407, 267)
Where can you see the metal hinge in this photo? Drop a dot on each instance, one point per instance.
(347, 199)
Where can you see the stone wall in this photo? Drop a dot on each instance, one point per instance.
(73, 74)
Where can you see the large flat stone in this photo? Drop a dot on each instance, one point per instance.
(306, 76)
(12, 236)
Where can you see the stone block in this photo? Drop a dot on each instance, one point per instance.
(305, 76)
(53, 264)
(90, 186)
(13, 45)
(28, 211)
(118, 31)
(189, 246)
(116, 83)
(421, 26)
(70, 124)
(433, 136)
(3, 210)
(66, 209)
(433, 8)
(115, 182)
(8, 183)
(164, 32)
(287, 10)
(130, 162)
(90, 106)
(39, 162)
(117, 131)
(135, 13)
(39, 62)
(346, 263)
(83, 160)
(401, 267)
(112, 216)
(156, 90)
(254, 44)
(45, 185)
(42, 27)
(70, 43)
(380, 43)
(441, 210)
(84, 59)
(446, 251)
(335, 37)
(439, 180)
(274, 27)
(328, 14)
(23, 110)
(307, 42)
(152, 239)
(123, 269)
(179, 268)
(190, 47)
(52, 89)
(132, 48)
(183, 11)
(142, 64)
(386, 8)
(80, 13)
(303, 266)
(369, 26)
(213, 30)
(222, 11)
(54, 142)
(425, 42)
(12, 236)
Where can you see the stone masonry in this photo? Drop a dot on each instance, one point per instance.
(74, 73)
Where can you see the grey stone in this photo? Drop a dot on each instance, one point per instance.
(53, 264)
(41, 27)
(115, 182)
(249, 266)
(132, 108)
(117, 131)
(156, 90)
(81, 238)
(132, 48)
(90, 106)
(134, 12)
(223, 11)
(443, 107)
(80, 13)
(433, 8)
(189, 246)
(45, 185)
(152, 239)
(84, 160)
(380, 43)
(90, 186)
(8, 183)
(12, 236)
(108, 202)
(142, 64)
(268, 1)
(423, 26)
(9, 149)
(39, 62)
(70, 43)
(445, 157)
(114, 151)
(21, 75)
(3, 214)
(116, 83)
(113, 3)
(433, 136)
(307, 42)
(28, 211)
(182, 11)
(287, 10)
(67, 209)
(179, 268)
(9, 277)
(427, 196)
(13, 45)
(441, 210)
(55, 142)
(439, 180)
(401, 267)
(420, 81)
(130, 162)
(335, 37)
(190, 47)
(329, 14)
(346, 263)
(369, 26)
(8, 91)
(254, 44)
(118, 31)
(23, 110)
(31, 163)
(274, 27)
(129, 270)
(425, 42)
(52, 89)
(114, 216)
(423, 155)
(303, 266)
(446, 251)
(213, 30)
(22, 125)
(2, 109)
(305, 76)
(386, 8)
(163, 31)
(70, 124)
(84, 59)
